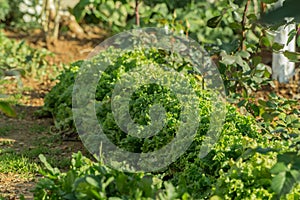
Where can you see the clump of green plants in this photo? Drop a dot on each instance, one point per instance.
(240, 164)
(4, 9)
(93, 180)
(18, 59)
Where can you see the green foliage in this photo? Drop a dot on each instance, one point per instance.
(112, 13)
(238, 167)
(7, 109)
(58, 101)
(14, 162)
(286, 173)
(254, 158)
(171, 4)
(93, 180)
(24, 15)
(191, 19)
(4, 9)
(244, 73)
(18, 59)
(277, 115)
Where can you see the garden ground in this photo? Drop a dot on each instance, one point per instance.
(25, 137)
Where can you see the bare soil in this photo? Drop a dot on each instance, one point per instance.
(22, 136)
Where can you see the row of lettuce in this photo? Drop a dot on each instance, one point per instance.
(252, 158)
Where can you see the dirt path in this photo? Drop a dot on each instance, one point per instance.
(28, 135)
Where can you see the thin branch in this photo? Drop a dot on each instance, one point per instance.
(137, 15)
(242, 47)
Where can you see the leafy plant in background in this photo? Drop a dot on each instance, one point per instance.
(18, 59)
(4, 9)
(112, 13)
(22, 15)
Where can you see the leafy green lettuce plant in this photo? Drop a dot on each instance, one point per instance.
(243, 155)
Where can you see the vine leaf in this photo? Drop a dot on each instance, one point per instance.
(7, 109)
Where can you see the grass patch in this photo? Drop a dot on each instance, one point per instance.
(36, 128)
(4, 130)
(13, 162)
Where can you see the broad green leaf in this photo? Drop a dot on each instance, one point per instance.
(256, 60)
(278, 168)
(215, 197)
(296, 175)
(292, 56)
(68, 181)
(228, 60)
(7, 109)
(292, 35)
(90, 180)
(79, 10)
(53, 171)
(264, 150)
(242, 103)
(244, 54)
(242, 63)
(282, 183)
(292, 119)
(278, 182)
(276, 46)
(230, 46)
(262, 102)
(214, 22)
(255, 109)
(235, 26)
(287, 157)
(237, 16)
(265, 41)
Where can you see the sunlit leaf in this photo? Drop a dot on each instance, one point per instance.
(292, 56)
(278, 168)
(7, 109)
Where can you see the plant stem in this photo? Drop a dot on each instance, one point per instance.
(137, 15)
(242, 47)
